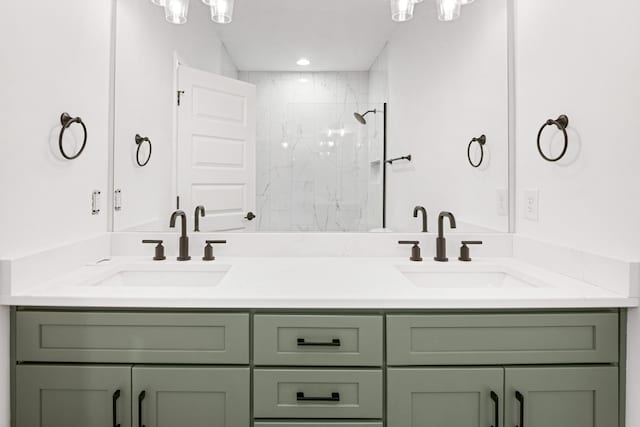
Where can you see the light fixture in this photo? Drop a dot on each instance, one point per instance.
(303, 80)
(221, 10)
(303, 62)
(420, 1)
(402, 10)
(448, 10)
(466, 2)
(158, 2)
(176, 11)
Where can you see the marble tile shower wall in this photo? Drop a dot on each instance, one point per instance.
(314, 161)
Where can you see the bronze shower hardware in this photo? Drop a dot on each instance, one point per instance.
(407, 157)
(66, 120)
(561, 123)
(481, 140)
(139, 141)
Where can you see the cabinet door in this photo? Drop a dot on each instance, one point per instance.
(460, 397)
(73, 396)
(190, 396)
(562, 397)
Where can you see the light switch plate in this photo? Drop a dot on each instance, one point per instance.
(531, 205)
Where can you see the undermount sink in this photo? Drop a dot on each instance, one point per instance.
(165, 277)
(466, 280)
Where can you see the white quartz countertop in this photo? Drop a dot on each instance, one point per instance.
(322, 283)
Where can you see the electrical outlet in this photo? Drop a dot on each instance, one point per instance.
(502, 202)
(531, 205)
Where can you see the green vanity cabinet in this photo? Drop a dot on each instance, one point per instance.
(460, 397)
(562, 396)
(73, 396)
(191, 396)
(267, 368)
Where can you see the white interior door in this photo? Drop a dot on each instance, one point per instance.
(216, 151)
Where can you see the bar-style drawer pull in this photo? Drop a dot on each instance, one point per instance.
(333, 343)
(300, 397)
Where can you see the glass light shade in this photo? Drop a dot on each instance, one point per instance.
(176, 11)
(402, 10)
(158, 2)
(448, 10)
(221, 11)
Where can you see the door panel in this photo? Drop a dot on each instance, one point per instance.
(563, 396)
(194, 397)
(460, 397)
(216, 165)
(72, 396)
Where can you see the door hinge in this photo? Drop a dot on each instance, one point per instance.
(180, 93)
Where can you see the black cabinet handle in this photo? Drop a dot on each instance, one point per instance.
(141, 397)
(300, 397)
(333, 343)
(250, 216)
(520, 399)
(496, 404)
(116, 396)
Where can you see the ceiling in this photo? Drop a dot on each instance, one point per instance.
(336, 35)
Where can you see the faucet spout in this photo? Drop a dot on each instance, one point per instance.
(199, 212)
(441, 242)
(441, 217)
(184, 239)
(420, 209)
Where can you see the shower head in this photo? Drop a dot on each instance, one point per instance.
(360, 117)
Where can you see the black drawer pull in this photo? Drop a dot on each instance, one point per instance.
(496, 403)
(520, 399)
(334, 343)
(300, 397)
(141, 397)
(116, 396)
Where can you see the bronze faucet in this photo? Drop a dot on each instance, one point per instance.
(184, 239)
(424, 216)
(199, 212)
(441, 242)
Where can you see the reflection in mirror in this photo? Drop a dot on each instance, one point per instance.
(284, 119)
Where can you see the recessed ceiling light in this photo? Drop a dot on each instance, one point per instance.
(303, 62)
(303, 80)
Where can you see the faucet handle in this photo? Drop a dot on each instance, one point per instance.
(415, 250)
(159, 255)
(464, 249)
(208, 249)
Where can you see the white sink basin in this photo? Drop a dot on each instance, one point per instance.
(465, 280)
(166, 276)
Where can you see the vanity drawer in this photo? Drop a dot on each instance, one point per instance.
(490, 339)
(99, 337)
(317, 424)
(318, 393)
(318, 340)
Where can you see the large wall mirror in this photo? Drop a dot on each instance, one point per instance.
(307, 115)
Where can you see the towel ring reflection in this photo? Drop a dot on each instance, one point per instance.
(481, 140)
(66, 120)
(561, 123)
(139, 141)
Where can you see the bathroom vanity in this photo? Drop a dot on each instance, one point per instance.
(317, 368)
(260, 347)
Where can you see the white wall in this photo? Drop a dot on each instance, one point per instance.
(583, 59)
(146, 46)
(447, 84)
(54, 58)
